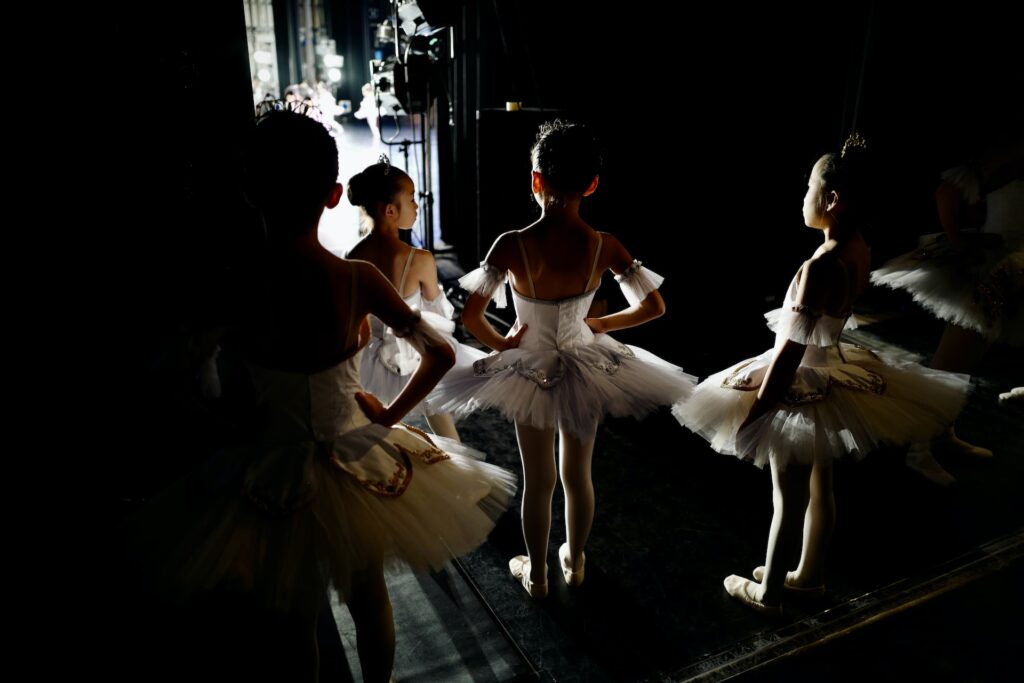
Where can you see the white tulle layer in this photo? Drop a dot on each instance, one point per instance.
(488, 282)
(283, 524)
(850, 403)
(382, 376)
(978, 288)
(573, 388)
(637, 282)
(803, 327)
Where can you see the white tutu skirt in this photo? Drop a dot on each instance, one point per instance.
(573, 389)
(979, 288)
(385, 379)
(848, 402)
(284, 523)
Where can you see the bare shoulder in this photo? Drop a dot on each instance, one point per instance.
(423, 258)
(610, 243)
(367, 274)
(822, 279)
(424, 267)
(504, 249)
(821, 266)
(614, 254)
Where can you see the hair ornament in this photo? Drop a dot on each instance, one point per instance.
(856, 140)
(268, 107)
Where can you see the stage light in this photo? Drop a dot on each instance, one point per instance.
(388, 85)
(411, 18)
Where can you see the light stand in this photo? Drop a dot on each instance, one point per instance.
(402, 87)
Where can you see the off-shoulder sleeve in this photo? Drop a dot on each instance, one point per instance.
(636, 282)
(439, 306)
(487, 281)
(807, 326)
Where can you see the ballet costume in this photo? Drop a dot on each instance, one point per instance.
(979, 287)
(844, 399)
(388, 361)
(562, 374)
(319, 494)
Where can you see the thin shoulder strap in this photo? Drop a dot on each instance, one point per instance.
(593, 267)
(526, 264)
(405, 271)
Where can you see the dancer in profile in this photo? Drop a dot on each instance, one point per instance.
(811, 399)
(386, 196)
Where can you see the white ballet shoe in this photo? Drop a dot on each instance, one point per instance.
(1015, 395)
(572, 577)
(807, 591)
(921, 460)
(520, 568)
(745, 591)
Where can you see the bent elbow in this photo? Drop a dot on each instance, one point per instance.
(654, 305)
(658, 309)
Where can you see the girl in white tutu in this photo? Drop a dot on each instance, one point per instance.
(558, 370)
(811, 399)
(321, 493)
(386, 196)
(972, 280)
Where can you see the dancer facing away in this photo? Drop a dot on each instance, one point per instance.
(559, 372)
(322, 493)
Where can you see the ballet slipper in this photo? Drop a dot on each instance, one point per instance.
(1015, 395)
(806, 591)
(572, 577)
(520, 568)
(921, 460)
(744, 590)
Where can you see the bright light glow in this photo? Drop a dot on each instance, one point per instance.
(334, 75)
(263, 74)
(334, 60)
(263, 57)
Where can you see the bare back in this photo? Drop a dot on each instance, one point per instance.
(553, 261)
(408, 269)
(305, 314)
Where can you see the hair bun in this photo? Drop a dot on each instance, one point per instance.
(356, 190)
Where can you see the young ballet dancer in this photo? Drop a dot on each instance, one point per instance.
(559, 372)
(811, 399)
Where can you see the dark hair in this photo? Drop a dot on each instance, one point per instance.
(567, 155)
(375, 185)
(291, 163)
(847, 173)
